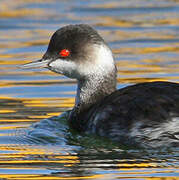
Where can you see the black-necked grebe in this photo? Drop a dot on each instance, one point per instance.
(145, 114)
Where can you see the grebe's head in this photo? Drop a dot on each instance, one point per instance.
(76, 51)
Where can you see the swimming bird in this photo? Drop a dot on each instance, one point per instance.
(140, 115)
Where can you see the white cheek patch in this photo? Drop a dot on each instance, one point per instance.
(65, 67)
(104, 56)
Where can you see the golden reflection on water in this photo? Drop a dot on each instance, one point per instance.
(41, 158)
(9, 9)
(22, 103)
(110, 21)
(39, 109)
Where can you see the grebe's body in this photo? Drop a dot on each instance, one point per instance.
(145, 114)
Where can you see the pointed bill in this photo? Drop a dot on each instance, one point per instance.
(36, 64)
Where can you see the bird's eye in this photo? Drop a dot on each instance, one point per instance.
(64, 53)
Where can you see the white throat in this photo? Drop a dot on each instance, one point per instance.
(87, 89)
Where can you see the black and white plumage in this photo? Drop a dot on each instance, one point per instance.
(144, 115)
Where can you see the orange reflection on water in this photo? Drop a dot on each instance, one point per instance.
(50, 177)
(156, 59)
(33, 109)
(50, 102)
(144, 50)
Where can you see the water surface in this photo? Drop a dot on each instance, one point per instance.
(35, 143)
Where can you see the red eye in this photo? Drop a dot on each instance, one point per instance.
(64, 52)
